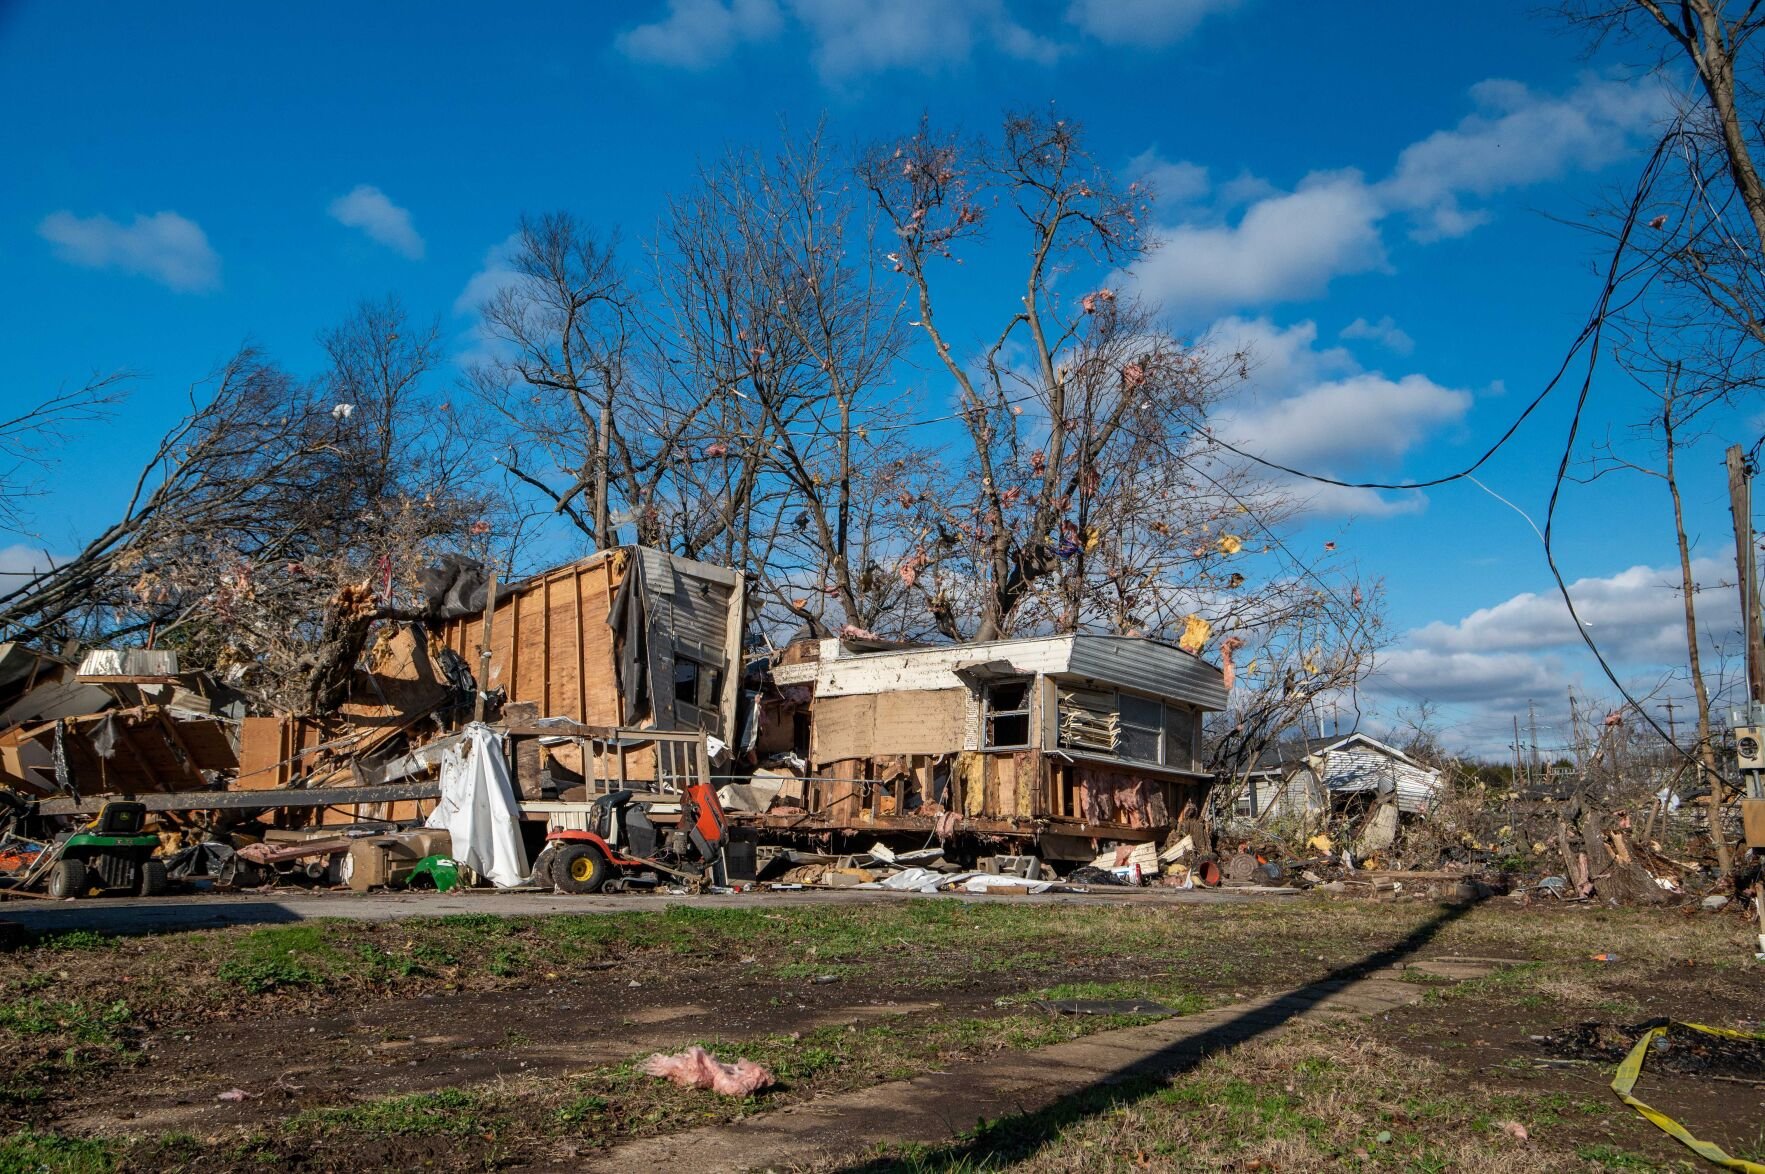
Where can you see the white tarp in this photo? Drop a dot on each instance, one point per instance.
(911, 880)
(924, 880)
(478, 809)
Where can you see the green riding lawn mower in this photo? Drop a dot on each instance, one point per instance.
(112, 854)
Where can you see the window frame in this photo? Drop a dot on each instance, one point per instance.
(707, 685)
(1166, 741)
(1026, 712)
(1161, 729)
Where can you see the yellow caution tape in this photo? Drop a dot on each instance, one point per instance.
(1631, 1068)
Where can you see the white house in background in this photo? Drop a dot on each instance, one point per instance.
(1328, 772)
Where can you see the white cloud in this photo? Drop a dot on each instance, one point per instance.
(1364, 415)
(697, 34)
(1283, 247)
(1526, 647)
(1150, 24)
(1514, 138)
(165, 247)
(19, 560)
(367, 208)
(848, 38)
(860, 36)
(1385, 332)
(1172, 182)
(1468, 677)
(1634, 615)
(1317, 408)
(1288, 245)
(496, 272)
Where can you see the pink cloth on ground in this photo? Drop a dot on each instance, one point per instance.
(697, 1068)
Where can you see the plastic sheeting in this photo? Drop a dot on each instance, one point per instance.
(1631, 1068)
(924, 880)
(478, 809)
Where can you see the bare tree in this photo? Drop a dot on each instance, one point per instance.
(575, 424)
(276, 521)
(1087, 497)
(239, 453)
(1655, 360)
(774, 310)
(1715, 38)
(27, 438)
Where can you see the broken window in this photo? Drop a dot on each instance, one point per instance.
(1088, 720)
(1124, 725)
(686, 680)
(1008, 714)
(1180, 729)
(697, 685)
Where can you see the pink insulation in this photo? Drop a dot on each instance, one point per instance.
(697, 1068)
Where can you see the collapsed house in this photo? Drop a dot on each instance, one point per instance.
(119, 721)
(1310, 779)
(1054, 742)
(627, 671)
(616, 669)
(632, 638)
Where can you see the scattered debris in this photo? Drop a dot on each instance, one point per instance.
(1103, 1007)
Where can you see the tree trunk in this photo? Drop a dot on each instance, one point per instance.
(1706, 749)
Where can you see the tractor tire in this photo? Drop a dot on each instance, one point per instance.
(67, 879)
(150, 878)
(581, 868)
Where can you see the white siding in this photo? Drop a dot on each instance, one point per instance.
(1355, 766)
(841, 673)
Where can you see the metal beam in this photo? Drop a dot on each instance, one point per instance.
(251, 800)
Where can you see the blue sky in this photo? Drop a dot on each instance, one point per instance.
(1369, 196)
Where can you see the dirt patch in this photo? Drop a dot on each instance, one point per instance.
(1528, 1041)
(287, 1064)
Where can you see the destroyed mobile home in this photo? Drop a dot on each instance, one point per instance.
(1047, 745)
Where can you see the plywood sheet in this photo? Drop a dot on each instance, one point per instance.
(550, 644)
(881, 724)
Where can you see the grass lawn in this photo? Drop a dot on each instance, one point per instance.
(479, 1042)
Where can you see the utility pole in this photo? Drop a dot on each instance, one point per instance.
(1672, 730)
(1577, 738)
(1746, 564)
(1517, 752)
(1532, 729)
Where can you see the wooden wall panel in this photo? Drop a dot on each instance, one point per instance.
(879, 724)
(550, 644)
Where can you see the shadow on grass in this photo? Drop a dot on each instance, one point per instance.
(1019, 1137)
(126, 918)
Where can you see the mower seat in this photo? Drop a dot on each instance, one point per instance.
(121, 819)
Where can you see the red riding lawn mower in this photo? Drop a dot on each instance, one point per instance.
(638, 838)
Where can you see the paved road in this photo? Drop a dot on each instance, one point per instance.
(209, 911)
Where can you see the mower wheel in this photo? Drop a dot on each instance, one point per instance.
(581, 868)
(542, 868)
(67, 879)
(150, 879)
